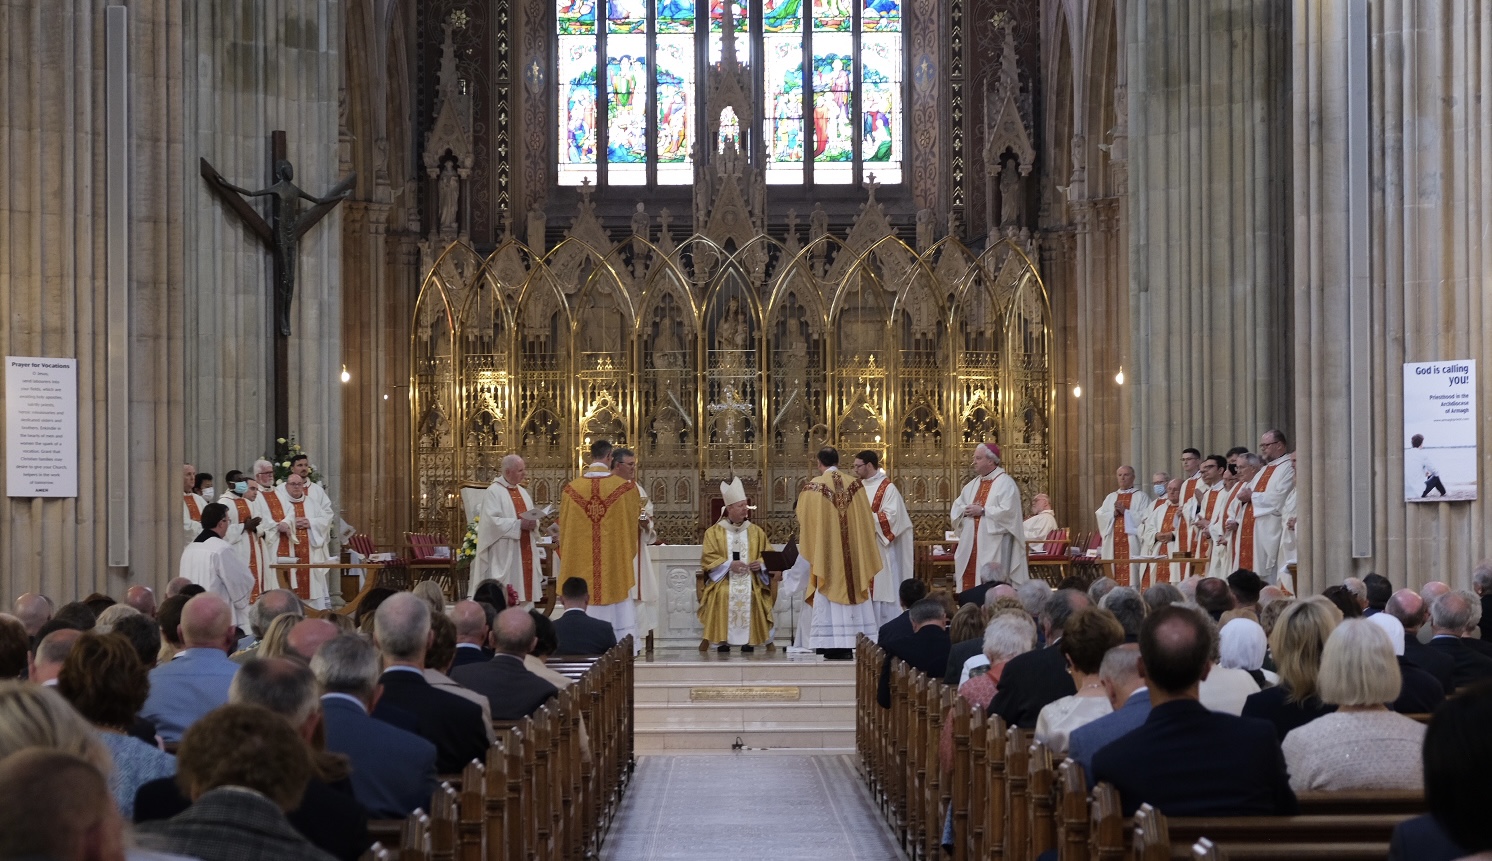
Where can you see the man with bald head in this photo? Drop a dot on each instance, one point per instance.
(1120, 519)
(507, 535)
(472, 633)
(46, 663)
(306, 637)
(33, 611)
(196, 681)
(1043, 521)
(513, 691)
(142, 598)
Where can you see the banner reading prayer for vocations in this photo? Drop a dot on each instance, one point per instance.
(41, 426)
(1440, 430)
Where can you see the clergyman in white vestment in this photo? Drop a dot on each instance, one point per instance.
(301, 536)
(213, 564)
(1120, 518)
(644, 590)
(324, 516)
(893, 535)
(508, 536)
(1266, 495)
(987, 518)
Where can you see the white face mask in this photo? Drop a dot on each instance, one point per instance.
(207, 493)
(1160, 489)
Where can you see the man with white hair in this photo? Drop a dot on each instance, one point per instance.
(1128, 695)
(1419, 692)
(1358, 590)
(1451, 617)
(987, 518)
(301, 535)
(1043, 521)
(1120, 519)
(33, 611)
(508, 535)
(893, 534)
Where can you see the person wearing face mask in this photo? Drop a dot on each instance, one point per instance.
(202, 486)
(243, 526)
(300, 536)
(1162, 532)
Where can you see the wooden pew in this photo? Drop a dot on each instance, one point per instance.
(1017, 772)
(1206, 850)
(1072, 812)
(1041, 787)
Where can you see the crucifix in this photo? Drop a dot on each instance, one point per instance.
(282, 236)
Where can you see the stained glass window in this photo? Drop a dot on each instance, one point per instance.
(631, 93)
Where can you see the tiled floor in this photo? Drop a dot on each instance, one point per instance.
(748, 807)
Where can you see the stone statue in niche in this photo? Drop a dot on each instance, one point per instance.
(537, 222)
(667, 352)
(818, 223)
(640, 222)
(924, 229)
(449, 196)
(435, 428)
(733, 335)
(1010, 195)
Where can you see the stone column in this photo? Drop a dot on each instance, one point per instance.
(1209, 181)
(53, 298)
(1418, 72)
(253, 67)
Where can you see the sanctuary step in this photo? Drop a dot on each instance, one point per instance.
(686, 700)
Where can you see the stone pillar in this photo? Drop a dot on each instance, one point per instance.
(1209, 170)
(53, 226)
(1419, 72)
(253, 67)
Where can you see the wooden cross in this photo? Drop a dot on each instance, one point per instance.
(281, 235)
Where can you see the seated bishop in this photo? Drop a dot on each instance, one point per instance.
(736, 607)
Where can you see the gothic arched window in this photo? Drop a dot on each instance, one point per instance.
(632, 88)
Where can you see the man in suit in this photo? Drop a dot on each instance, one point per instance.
(1450, 619)
(1130, 698)
(401, 630)
(1379, 589)
(580, 633)
(196, 681)
(910, 592)
(925, 650)
(1031, 681)
(393, 771)
(513, 691)
(1409, 608)
(472, 634)
(1186, 760)
(221, 755)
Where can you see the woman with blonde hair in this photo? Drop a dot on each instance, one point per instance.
(1298, 639)
(36, 716)
(273, 644)
(1359, 675)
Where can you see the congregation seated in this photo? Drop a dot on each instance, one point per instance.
(454, 725)
(168, 619)
(1229, 684)
(965, 640)
(111, 616)
(103, 679)
(925, 650)
(15, 648)
(32, 611)
(1246, 587)
(473, 633)
(1481, 585)
(989, 581)
(440, 659)
(270, 606)
(1129, 609)
(1296, 644)
(1036, 678)
(305, 637)
(1419, 692)
(1457, 755)
(1087, 637)
(1184, 759)
(328, 814)
(1100, 588)
(1214, 596)
(51, 651)
(578, 632)
(1008, 634)
(1451, 617)
(36, 716)
(272, 645)
(1413, 613)
(968, 659)
(546, 643)
(1378, 589)
(1129, 699)
(1162, 595)
(909, 593)
(1362, 745)
(1344, 600)
(393, 771)
(55, 805)
(195, 681)
(244, 768)
(511, 690)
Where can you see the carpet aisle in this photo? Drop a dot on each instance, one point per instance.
(748, 807)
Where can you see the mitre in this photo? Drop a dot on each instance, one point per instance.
(733, 491)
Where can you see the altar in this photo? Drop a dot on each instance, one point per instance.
(671, 591)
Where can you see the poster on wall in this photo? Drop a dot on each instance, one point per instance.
(1440, 431)
(41, 426)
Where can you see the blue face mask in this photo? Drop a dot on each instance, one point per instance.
(1160, 489)
(240, 487)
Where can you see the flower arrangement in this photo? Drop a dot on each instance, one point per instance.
(285, 449)
(469, 542)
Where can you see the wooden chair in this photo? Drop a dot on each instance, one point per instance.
(432, 553)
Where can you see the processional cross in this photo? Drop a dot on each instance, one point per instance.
(282, 235)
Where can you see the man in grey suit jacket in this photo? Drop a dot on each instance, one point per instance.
(1120, 675)
(393, 771)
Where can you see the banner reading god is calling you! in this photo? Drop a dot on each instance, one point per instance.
(1440, 430)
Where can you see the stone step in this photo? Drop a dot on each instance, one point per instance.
(683, 692)
(830, 738)
(732, 716)
(745, 672)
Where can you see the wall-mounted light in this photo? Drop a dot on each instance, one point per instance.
(385, 397)
(1077, 391)
(346, 377)
(1119, 377)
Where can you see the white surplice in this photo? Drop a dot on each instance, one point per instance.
(644, 590)
(214, 565)
(501, 542)
(1278, 479)
(894, 537)
(1040, 525)
(998, 536)
(1139, 506)
(317, 536)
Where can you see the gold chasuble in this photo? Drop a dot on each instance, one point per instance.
(837, 536)
(735, 609)
(598, 535)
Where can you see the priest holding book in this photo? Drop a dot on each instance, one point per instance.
(736, 606)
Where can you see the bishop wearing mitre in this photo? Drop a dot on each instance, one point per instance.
(736, 607)
(837, 542)
(893, 535)
(508, 535)
(598, 518)
(987, 518)
(213, 564)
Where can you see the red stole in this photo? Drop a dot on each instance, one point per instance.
(191, 503)
(1121, 537)
(970, 570)
(301, 550)
(527, 547)
(1245, 549)
(241, 505)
